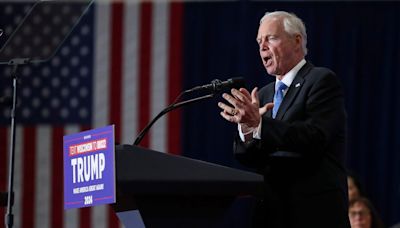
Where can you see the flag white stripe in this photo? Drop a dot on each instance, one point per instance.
(130, 73)
(71, 217)
(130, 87)
(18, 181)
(101, 64)
(42, 176)
(101, 76)
(159, 75)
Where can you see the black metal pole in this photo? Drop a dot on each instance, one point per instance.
(9, 220)
(166, 110)
(9, 217)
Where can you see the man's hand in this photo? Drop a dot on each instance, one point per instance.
(246, 109)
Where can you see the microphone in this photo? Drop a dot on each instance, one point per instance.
(217, 85)
(214, 87)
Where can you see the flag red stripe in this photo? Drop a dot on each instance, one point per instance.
(146, 10)
(28, 166)
(117, 15)
(3, 159)
(85, 217)
(56, 176)
(175, 76)
(3, 167)
(116, 66)
(113, 221)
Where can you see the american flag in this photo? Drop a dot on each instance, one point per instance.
(120, 65)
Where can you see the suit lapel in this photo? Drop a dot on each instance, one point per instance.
(293, 90)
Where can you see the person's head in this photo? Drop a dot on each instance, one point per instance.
(282, 40)
(353, 188)
(363, 215)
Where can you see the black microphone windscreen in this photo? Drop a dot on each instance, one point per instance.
(237, 82)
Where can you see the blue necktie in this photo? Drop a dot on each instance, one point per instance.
(278, 97)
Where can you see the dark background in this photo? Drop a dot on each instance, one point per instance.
(357, 40)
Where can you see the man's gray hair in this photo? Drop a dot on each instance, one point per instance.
(292, 24)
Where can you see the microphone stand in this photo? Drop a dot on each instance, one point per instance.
(9, 217)
(168, 109)
(215, 87)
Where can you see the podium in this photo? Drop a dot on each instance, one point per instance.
(175, 191)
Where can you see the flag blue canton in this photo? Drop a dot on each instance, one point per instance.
(58, 91)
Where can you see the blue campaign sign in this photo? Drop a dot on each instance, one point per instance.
(89, 168)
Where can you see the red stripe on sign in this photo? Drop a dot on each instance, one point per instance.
(175, 76)
(146, 10)
(116, 66)
(3, 167)
(28, 184)
(57, 192)
(85, 214)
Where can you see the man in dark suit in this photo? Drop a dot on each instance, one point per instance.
(293, 132)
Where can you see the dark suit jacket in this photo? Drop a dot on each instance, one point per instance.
(309, 190)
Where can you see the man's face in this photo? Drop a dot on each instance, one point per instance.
(360, 216)
(279, 51)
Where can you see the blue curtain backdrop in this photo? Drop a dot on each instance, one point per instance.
(357, 40)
